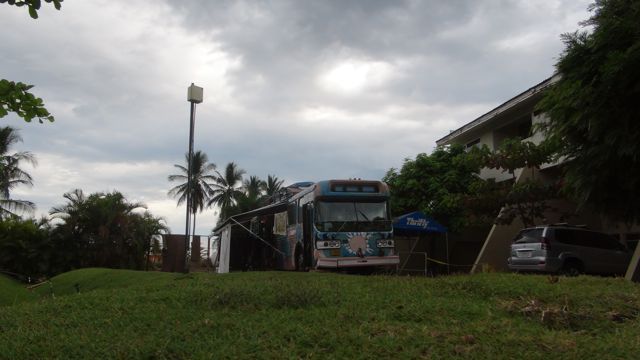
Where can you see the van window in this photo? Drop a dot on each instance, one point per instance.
(568, 236)
(587, 238)
(529, 236)
(604, 241)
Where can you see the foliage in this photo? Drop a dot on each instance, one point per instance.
(25, 247)
(436, 184)
(100, 313)
(526, 199)
(252, 196)
(593, 110)
(227, 189)
(33, 5)
(15, 97)
(514, 154)
(105, 230)
(253, 187)
(97, 230)
(256, 193)
(11, 175)
(202, 178)
(272, 185)
(156, 248)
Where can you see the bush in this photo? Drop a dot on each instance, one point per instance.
(25, 248)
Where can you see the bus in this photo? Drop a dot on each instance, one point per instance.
(336, 224)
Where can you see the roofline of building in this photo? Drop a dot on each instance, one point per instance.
(499, 109)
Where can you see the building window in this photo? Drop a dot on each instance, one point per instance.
(472, 144)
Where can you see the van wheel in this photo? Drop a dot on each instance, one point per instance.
(572, 267)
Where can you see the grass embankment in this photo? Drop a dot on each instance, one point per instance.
(122, 314)
(13, 292)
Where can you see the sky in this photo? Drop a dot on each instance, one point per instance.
(304, 90)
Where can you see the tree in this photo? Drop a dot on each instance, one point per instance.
(148, 229)
(526, 199)
(33, 5)
(202, 179)
(249, 198)
(272, 185)
(227, 189)
(593, 110)
(435, 184)
(25, 248)
(105, 229)
(11, 175)
(15, 96)
(253, 187)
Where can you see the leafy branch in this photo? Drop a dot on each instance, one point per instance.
(15, 97)
(32, 5)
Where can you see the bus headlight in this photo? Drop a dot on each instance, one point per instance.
(387, 243)
(328, 244)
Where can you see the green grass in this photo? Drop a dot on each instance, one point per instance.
(124, 314)
(13, 292)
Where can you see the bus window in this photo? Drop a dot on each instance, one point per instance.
(371, 211)
(300, 215)
(352, 216)
(291, 213)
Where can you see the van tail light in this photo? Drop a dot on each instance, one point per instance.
(544, 243)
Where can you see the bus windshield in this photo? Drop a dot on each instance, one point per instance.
(352, 216)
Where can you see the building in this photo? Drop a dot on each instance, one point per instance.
(517, 117)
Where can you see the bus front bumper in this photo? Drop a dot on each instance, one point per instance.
(343, 262)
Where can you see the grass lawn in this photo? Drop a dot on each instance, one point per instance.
(13, 292)
(99, 313)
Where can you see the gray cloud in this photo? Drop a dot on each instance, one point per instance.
(306, 90)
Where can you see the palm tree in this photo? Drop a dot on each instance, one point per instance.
(71, 209)
(253, 187)
(202, 179)
(149, 229)
(227, 189)
(104, 230)
(271, 186)
(11, 175)
(251, 196)
(25, 247)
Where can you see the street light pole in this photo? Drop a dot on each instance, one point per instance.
(194, 96)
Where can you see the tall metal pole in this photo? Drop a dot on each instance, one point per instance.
(194, 96)
(187, 231)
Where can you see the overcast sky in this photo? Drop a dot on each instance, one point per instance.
(304, 90)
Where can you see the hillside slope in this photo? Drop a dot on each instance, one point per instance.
(118, 314)
(13, 292)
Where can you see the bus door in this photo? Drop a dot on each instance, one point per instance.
(307, 233)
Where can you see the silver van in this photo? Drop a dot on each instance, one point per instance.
(568, 250)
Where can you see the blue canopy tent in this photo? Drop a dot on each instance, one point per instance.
(415, 224)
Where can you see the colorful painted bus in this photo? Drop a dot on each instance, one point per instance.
(337, 224)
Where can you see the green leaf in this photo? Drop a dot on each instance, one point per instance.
(32, 12)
